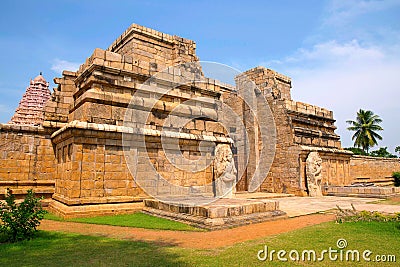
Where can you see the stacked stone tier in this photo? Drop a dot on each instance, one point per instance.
(312, 125)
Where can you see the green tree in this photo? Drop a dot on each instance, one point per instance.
(397, 149)
(365, 127)
(382, 152)
(396, 177)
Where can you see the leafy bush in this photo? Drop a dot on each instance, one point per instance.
(19, 221)
(352, 215)
(396, 176)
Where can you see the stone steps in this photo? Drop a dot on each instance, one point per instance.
(260, 195)
(213, 214)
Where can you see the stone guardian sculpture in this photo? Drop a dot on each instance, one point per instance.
(313, 172)
(225, 171)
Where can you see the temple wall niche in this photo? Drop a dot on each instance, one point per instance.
(335, 168)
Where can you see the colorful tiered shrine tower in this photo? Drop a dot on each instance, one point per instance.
(30, 109)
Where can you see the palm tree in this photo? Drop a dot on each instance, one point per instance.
(365, 127)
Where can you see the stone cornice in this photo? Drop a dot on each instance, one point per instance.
(173, 81)
(139, 131)
(21, 128)
(324, 149)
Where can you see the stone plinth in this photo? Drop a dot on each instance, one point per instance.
(75, 211)
(363, 191)
(43, 188)
(219, 214)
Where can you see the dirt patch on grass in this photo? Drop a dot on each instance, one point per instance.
(395, 199)
(200, 240)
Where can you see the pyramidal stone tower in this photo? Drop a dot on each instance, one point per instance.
(30, 109)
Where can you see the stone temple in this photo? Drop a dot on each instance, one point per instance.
(140, 119)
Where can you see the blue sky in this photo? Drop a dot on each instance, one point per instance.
(342, 55)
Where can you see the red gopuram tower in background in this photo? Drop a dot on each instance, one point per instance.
(30, 109)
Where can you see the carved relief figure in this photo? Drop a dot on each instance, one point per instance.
(225, 171)
(313, 172)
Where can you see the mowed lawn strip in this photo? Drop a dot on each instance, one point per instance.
(379, 237)
(137, 220)
(60, 249)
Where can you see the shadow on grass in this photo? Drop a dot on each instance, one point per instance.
(61, 249)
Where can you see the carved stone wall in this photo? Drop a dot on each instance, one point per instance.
(284, 173)
(27, 160)
(335, 166)
(372, 168)
(313, 126)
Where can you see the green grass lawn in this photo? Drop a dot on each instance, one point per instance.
(138, 220)
(58, 249)
(390, 201)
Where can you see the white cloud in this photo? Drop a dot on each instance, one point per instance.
(345, 77)
(340, 12)
(345, 66)
(332, 52)
(353, 62)
(60, 65)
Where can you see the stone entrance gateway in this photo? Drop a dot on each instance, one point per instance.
(140, 118)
